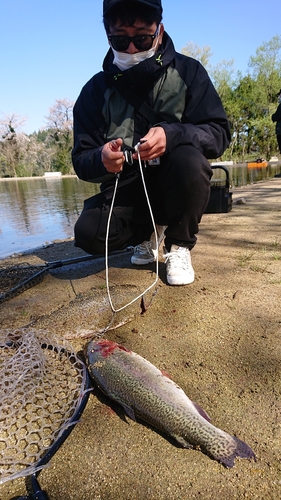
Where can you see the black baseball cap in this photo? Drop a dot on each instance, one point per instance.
(107, 4)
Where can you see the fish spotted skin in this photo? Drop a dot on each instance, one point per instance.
(145, 392)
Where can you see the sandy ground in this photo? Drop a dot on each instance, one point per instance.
(218, 338)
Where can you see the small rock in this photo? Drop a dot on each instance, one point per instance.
(240, 201)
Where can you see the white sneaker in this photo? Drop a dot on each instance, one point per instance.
(146, 252)
(178, 266)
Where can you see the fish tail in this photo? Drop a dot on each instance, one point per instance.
(234, 449)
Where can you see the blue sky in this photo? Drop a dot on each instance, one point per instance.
(49, 49)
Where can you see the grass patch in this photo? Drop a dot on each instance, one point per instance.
(259, 269)
(244, 259)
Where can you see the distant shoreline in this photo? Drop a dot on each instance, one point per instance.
(242, 164)
(36, 177)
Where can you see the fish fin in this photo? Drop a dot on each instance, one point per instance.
(201, 412)
(182, 441)
(129, 411)
(236, 448)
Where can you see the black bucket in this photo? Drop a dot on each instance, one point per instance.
(220, 197)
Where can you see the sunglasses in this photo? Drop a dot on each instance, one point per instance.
(141, 42)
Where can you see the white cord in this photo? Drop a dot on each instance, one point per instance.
(107, 234)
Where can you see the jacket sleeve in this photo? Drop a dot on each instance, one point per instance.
(204, 123)
(89, 135)
(276, 117)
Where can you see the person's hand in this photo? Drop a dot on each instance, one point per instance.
(112, 156)
(154, 145)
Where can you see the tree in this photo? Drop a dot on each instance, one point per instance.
(59, 127)
(223, 78)
(248, 100)
(11, 144)
(267, 58)
(10, 125)
(22, 155)
(266, 66)
(202, 54)
(60, 117)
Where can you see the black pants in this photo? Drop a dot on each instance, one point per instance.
(178, 190)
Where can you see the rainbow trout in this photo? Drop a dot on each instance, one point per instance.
(147, 393)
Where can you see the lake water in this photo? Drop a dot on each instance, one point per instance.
(38, 211)
(241, 175)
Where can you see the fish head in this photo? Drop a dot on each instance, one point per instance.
(104, 347)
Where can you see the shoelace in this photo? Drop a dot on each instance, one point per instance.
(143, 248)
(177, 259)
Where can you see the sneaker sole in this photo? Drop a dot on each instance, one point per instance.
(177, 282)
(141, 262)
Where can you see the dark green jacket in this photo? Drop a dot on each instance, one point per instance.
(176, 86)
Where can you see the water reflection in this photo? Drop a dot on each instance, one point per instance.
(241, 175)
(36, 211)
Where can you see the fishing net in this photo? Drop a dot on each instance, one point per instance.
(16, 279)
(42, 386)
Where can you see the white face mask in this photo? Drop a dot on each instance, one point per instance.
(125, 61)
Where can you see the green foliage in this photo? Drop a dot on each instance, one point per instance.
(63, 163)
(249, 103)
(42, 135)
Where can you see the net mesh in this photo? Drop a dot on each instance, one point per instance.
(11, 276)
(16, 279)
(41, 386)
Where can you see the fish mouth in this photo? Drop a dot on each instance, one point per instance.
(82, 355)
